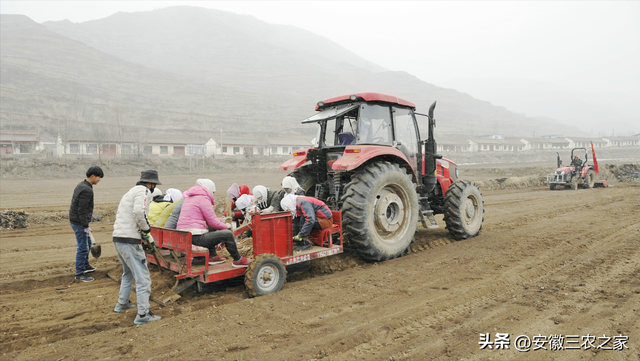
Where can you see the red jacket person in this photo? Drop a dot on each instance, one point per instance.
(308, 213)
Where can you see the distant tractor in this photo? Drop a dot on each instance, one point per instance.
(370, 163)
(577, 175)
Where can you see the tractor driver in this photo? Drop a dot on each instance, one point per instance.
(576, 161)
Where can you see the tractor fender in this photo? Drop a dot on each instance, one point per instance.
(356, 155)
(443, 174)
(299, 158)
(584, 171)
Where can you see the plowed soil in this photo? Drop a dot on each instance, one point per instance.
(546, 263)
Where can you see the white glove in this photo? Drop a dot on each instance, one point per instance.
(267, 210)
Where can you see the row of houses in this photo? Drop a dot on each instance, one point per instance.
(160, 146)
(496, 143)
(167, 146)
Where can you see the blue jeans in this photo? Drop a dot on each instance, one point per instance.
(82, 255)
(134, 267)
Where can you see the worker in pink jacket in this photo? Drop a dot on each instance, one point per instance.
(197, 216)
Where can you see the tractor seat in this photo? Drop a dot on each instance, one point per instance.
(323, 238)
(346, 138)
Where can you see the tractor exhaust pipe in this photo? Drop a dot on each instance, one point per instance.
(430, 155)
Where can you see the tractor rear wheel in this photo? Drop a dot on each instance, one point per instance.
(589, 179)
(463, 210)
(265, 274)
(380, 211)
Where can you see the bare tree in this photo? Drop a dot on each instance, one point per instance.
(10, 121)
(66, 126)
(118, 120)
(101, 134)
(141, 134)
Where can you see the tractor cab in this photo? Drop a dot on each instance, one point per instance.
(355, 130)
(366, 123)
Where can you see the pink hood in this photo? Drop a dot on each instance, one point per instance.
(197, 211)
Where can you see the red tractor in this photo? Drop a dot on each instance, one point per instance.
(578, 174)
(370, 163)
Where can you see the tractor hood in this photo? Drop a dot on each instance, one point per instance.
(564, 169)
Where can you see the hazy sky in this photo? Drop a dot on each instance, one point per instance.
(578, 46)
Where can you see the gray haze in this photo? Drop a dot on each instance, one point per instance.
(573, 61)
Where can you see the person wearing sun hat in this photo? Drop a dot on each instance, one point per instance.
(130, 227)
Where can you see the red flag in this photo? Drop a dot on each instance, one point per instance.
(595, 161)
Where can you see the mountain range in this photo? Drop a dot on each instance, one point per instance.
(193, 72)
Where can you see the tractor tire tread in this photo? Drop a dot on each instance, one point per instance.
(355, 211)
(452, 211)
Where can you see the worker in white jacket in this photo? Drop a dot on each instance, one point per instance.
(130, 227)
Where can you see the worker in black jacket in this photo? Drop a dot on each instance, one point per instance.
(80, 214)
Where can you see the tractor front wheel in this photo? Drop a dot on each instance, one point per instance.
(380, 211)
(574, 183)
(463, 210)
(265, 274)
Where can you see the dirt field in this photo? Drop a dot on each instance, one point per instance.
(546, 263)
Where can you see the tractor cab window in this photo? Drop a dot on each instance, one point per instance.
(332, 122)
(329, 138)
(338, 131)
(347, 129)
(374, 125)
(406, 134)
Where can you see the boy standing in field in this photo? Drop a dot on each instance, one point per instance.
(80, 214)
(130, 227)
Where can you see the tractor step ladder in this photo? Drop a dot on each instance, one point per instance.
(426, 214)
(428, 220)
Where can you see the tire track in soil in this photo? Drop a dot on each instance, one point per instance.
(40, 329)
(404, 333)
(582, 263)
(405, 330)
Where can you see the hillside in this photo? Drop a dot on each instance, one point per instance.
(47, 77)
(199, 70)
